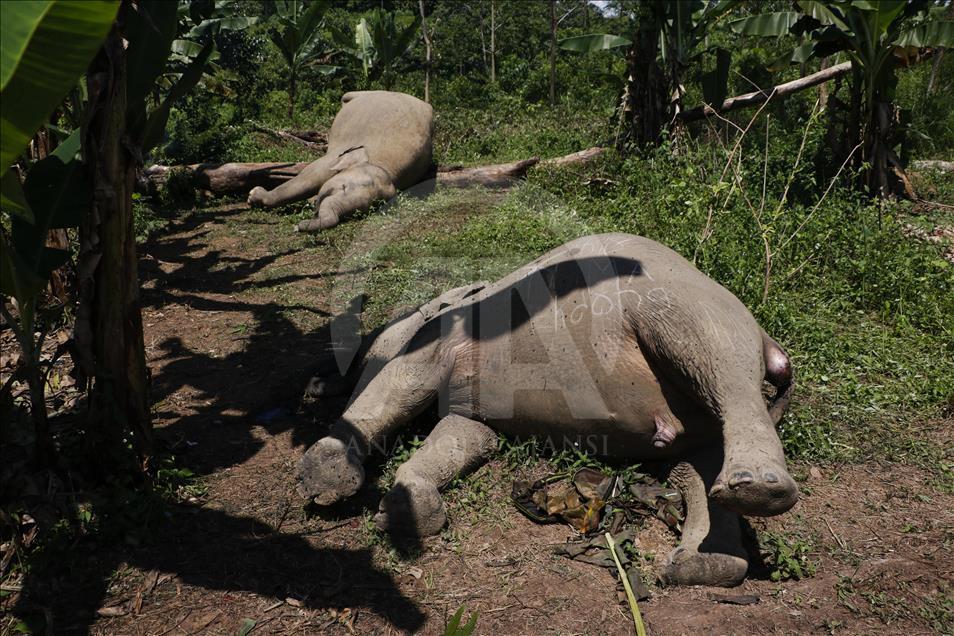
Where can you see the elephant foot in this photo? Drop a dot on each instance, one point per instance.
(685, 566)
(413, 507)
(313, 226)
(330, 471)
(257, 196)
(759, 490)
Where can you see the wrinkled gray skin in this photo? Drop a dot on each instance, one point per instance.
(379, 143)
(612, 341)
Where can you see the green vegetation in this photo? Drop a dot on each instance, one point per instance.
(787, 557)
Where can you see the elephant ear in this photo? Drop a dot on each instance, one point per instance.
(351, 157)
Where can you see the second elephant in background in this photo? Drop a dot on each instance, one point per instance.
(380, 142)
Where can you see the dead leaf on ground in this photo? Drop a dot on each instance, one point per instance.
(201, 622)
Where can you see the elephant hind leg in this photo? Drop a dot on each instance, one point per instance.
(413, 506)
(348, 191)
(711, 551)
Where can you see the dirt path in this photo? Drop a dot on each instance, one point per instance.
(235, 318)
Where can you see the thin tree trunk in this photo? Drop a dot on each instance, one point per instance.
(493, 42)
(427, 53)
(119, 404)
(292, 89)
(823, 87)
(935, 69)
(553, 32)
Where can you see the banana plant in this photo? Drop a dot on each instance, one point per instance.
(668, 38)
(45, 48)
(877, 36)
(379, 42)
(38, 68)
(297, 35)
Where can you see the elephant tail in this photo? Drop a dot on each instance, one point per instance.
(778, 372)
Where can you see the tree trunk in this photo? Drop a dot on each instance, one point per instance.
(647, 91)
(292, 89)
(935, 69)
(110, 311)
(823, 87)
(493, 42)
(553, 32)
(427, 53)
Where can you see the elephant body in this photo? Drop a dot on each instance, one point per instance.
(379, 142)
(610, 343)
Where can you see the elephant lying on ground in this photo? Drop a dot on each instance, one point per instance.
(611, 342)
(379, 142)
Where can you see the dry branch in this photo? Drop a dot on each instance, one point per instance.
(309, 138)
(760, 96)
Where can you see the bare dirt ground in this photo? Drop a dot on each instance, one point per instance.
(235, 316)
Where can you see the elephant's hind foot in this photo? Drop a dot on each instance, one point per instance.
(711, 550)
(685, 566)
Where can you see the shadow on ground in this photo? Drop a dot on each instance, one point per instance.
(233, 395)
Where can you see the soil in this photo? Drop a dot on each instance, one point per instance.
(236, 314)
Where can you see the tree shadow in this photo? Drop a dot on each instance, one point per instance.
(233, 396)
(213, 550)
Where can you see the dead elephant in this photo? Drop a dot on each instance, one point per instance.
(613, 343)
(379, 143)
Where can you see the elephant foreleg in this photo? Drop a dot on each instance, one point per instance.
(332, 468)
(306, 184)
(414, 506)
(711, 550)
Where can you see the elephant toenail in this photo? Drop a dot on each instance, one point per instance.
(743, 477)
(771, 478)
(716, 489)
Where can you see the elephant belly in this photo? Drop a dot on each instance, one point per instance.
(602, 397)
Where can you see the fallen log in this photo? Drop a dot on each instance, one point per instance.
(239, 178)
(221, 178)
(933, 164)
(757, 97)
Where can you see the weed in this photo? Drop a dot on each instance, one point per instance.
(787, 556)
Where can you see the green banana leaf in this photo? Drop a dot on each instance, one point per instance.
(44, 47)
(593, 42)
